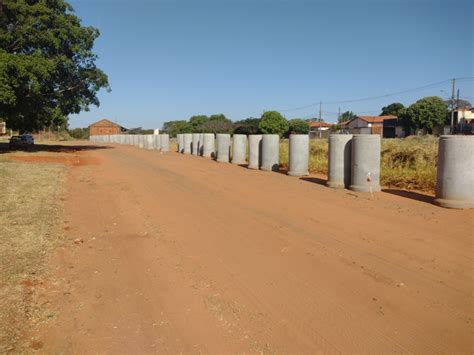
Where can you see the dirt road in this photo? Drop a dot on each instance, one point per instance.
(177, 253)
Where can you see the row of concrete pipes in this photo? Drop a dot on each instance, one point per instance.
(353, 160)
(159, 142)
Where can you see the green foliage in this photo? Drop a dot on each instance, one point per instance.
(298, 126)
(79, 133)
(139, 130)
(272, 122)
(47, 67)
(427, 112)
(392, 109)
(247, 126)
(218, 123)
(346, 116)
(176, 127)
(197, 122)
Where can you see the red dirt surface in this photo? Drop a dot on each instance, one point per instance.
(183, 254)
(76, 160)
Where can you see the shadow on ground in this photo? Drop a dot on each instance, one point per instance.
(315, 180)
(411, 195)
(55, 148)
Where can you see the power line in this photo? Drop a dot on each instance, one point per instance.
(378, 96)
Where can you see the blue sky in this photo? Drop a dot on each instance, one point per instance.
(168, 60)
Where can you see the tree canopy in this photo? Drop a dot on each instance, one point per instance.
(346, 116)
(298, 126)
(273, 122)
(217, 123)
(47, 67)
(427, 112)
(393, 109)
(247, 126)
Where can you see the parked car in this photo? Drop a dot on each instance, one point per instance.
(25, 141)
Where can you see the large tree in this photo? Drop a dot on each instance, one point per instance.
(272, 122)
(47, 67)
(427, 112)
(394, 109)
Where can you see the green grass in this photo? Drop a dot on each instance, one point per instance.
(29, 211)
(408, 163)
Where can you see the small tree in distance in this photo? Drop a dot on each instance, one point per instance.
(272, 122)
(346, 116)
(298, 126)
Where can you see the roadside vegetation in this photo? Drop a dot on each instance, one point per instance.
(29, 211)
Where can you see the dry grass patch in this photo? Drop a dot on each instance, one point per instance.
(408, 163)
(29, 210)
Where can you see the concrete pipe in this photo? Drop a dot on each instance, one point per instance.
(201, 144)
(150, 139)
(179, 141)
(141, 141)
(187, 143)
(223, 148)
(270, 152)
(239, 148)
(164, 142)
(455, 176)
(195, 146)
(339, 161)
(365, 168)
(255, 151)
(156, 142)
(209, 145)
(298, 155)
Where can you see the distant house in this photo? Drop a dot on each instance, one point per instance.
(105, 127)
(3, 128)
(386, 126)
(319, 129)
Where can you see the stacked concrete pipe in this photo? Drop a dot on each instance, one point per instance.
(157, 141)
(298, 155)
(201, 144)
(187, 143)
(223, 148)
(164, 142)
(255, 151)
(150, 141)
(270, 152)
(365, 168)
(179, 141)
(455, 175)
(239, 148)
(208, 145)
(195, 146)
(339, 161)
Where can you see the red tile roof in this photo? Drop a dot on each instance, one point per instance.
(377, 119)
(319, 124)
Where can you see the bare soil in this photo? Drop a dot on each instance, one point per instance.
(174, 253)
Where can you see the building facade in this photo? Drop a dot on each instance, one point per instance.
(105, 127)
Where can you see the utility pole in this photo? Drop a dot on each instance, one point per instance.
(452, 106)
(320, 116)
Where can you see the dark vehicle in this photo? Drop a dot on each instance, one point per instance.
(25, 141)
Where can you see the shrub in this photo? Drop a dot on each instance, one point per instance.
(297, 126)
(247, 126)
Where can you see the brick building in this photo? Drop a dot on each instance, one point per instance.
(386, 126)
(105, 127)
